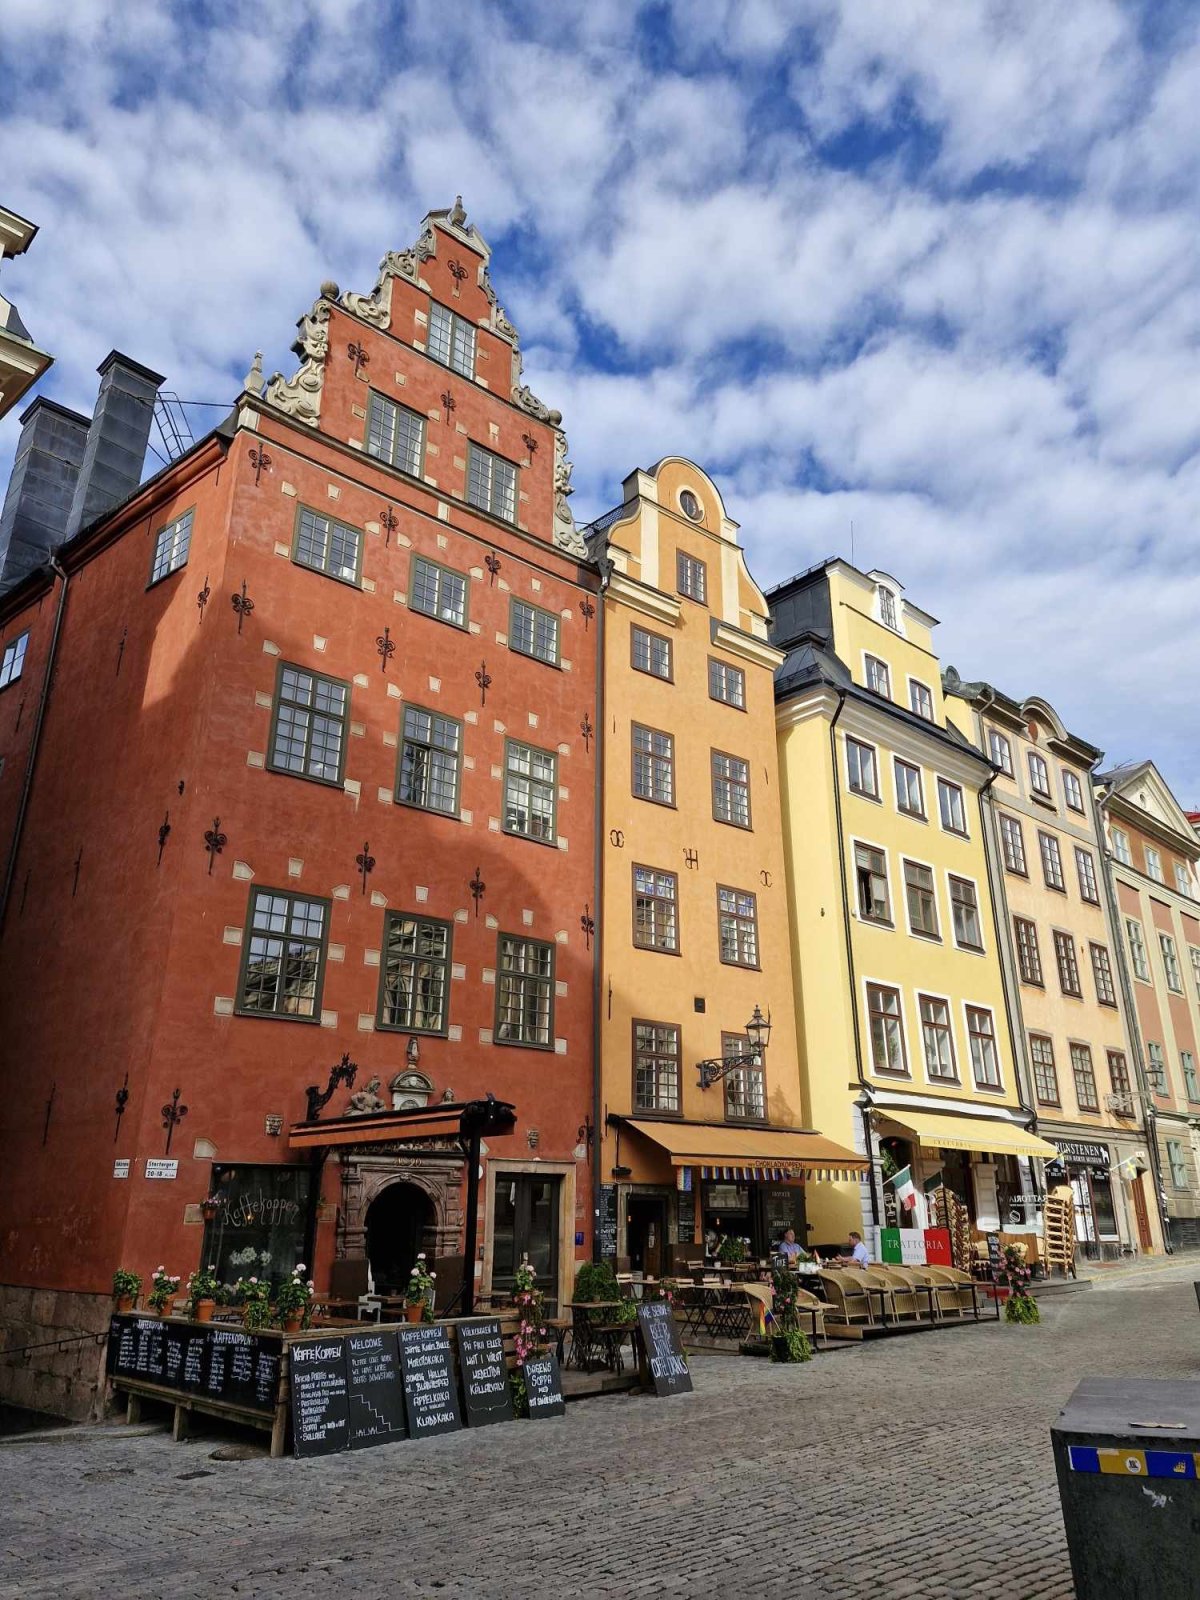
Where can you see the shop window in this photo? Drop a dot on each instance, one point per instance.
(1012, 843)
(437, 591)
(886, 1029)
(870, 874)
(922, 901)
(653, 765)
(415, 973)
(1106, 989)
(308, 725)
(731, 789)
(726, 683)
(171, 546)
(285, 940)
(1085, 1078)
(525, 993)
(395, 435)
(1052, 867)
(260, 1224)
(655, 909)
(951, 807)
(430, 750)
(451, 340)
(985, 1061)
(1085, 865)
(650, 653)
(12, 662)
(530, 791)
(656, 1074)
(745, 1087)
(1068, 967)
(938, 1038)
(861, 772)
(909, 797)
(737, 927)
(1029, 957)
(533, 632)
(1045, 1074)
(964, 906)
(327, 546)
(491, 483)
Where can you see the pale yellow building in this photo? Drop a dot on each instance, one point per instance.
(22, 363)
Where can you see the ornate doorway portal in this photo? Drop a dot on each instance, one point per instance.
(400, 1224)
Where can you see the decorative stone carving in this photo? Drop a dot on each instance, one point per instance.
(375, 308)
(566, 535)
(300, 395)
(363, 1102)
(410, 1090)
(254, 380)
(524, 397)
(366, 1175)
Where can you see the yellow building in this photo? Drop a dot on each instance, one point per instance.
(21, 362)
(903, 1017)
(693, 928)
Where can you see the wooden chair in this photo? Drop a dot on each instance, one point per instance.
(943, 1302)
(847, 1298)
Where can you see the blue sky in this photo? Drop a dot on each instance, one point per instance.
(926, 268)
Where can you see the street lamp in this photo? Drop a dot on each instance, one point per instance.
(758, 1036)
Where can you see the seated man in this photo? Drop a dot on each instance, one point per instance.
(790, 1249)
(859, 1255)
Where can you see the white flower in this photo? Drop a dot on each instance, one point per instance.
(253, 1280)
(299, 1266)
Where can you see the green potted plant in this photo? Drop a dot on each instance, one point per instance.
(731, 1250)
(1021, 1306)
(788, 1342)
(594, 1281)
(202, 1287)
(254, 1297)
(164, 1286)
(418, 1297)
(293, 1303)
(126, 1288)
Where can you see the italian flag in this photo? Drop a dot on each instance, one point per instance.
(906, 1189)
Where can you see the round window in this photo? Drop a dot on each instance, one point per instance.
(691, 507)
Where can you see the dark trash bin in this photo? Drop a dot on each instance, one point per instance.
(1126, 1452)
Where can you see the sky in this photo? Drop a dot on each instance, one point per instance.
(924, 270)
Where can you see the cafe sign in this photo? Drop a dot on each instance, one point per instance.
(1079, 1153)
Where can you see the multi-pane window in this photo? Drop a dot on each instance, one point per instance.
(1154, 867)
(1177, 1164)
(525, 992)
(1156, 1067)
(691, 577)
(1039, 776)
(451, 340)
(870, 873)
(737, 927)
(1072, 790)
(1106, 990)
(653, 765)
(1029, 957)
(937, 1037)
(439, 592)
(1118, 1075)
(655, 1066)
(396, 435)
(1085, 865)
(922, 902)
(491, 483)
(1085, 1078)
(171, 546)
(650, 652)
(430, 751)
(1194, 953)
(1045, 1075)
(1068, 967)
(1052, 867)
(985, 1060)
(655, 909)
(1120, 847)
(726, 683)
(920, 698)
(731, 789)
(1188, 1062)
(530, 784)
(1170, 963)
(1012, 844)
(951, 808)
(327, 546)
(1001, 751)
(878, 675)
(285, 952)
(908, 789)
(1182, 881)
(415, 973)
(964, 906)
(1137, 949)
(745, 1086)
(861, 772)
(887, 1033)
(308, 735)
(534, 632)
(887, 607)
(12, 662)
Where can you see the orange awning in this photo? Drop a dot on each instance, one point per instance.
(806, 1155)
(380, 1127)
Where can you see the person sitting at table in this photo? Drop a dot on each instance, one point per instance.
(859, 1255)
(790, 1249)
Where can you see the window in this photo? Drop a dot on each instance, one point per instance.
(691, 577)
(860, 768)
(1156, 1067)
(737, 927)
(653, 765)
(415, 976)
(308, 730)
(1045, 1075)
(171, 545)
(726, 683)
(491, 483)
(887, 608)
(938, 1038)
(1177, 1164)
(1001, 751)
(922, 902)
(1120, 846)
(1195, 957)
(285, 954)
(430, 751)
(1085, 1078)
(908, 789)
(690, 506)
(887, 1035)
(964, 909)
(1052, 867)
(451, 340)
(1188, 1062)
(525, 992)
(1154, 864)
(656, 1066)
(1068, 967)
(530, 781)
(651, 653)
(879, 677)
(655, 914)
(1029, 957)
(1072, 790)
(438, 592)
(1182, 881)
(731, 789)
(745, 1087)
(1039, 776)
(1118, 1074)
(12, 662)
(327, 546)
(950, 805)
(1137, 950)
(920, 698)
(1086, 867)
(533, 632)
(985, 1061)
(1170, 963)
(1106, 991)
(396, 435)
(1012, 844)
(870, 872)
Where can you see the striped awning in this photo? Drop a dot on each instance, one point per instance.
(746, 1154)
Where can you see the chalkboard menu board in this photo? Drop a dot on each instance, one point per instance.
(430, 1392)
(136, 1349)
(543, 1387)
(484, 1373)
(376, 1399)
(243, 1368)
(608, 1221)
(185, 1353)
(664, 1353)
(320, 1404)
(995, 1254)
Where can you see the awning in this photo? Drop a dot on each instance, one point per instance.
(989, 1135)
(753, 1151)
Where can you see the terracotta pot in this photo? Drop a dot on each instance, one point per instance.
(161, 1311)
(203, 1310)
(415, 1313)
(124, 1304)
(293, 1322)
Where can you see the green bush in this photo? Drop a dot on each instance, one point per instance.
(1022, 1308)
(791, 1345)
(594, 1281)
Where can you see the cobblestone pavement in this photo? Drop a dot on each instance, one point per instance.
(913, 1467)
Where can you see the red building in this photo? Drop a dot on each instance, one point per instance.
(299, 759)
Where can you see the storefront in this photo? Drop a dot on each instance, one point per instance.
(1088, 1170)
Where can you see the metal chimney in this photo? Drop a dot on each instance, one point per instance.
(117, 439)
(41, 488)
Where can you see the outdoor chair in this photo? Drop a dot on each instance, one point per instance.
(943, 1302)
(965, 1288)
(905, 1303)
(848, 1298)
(811, 1310)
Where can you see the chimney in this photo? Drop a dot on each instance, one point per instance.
(40, 489)
(116, 441)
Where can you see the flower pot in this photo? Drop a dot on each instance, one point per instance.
(415, 1313)
(161, 1311)
(293, 1321)
(124, 1304)
(203, 1310)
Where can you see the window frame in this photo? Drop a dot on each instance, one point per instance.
(446, 963)
(1066, 964)
(1119, 1080)
(685, 566)
(1170, 960)
(998, 741)
(511, 744)
(15, 650)
(652, 639)
(655, 1055)
(1009, 828)
(1083, 1069)
(973, 1034)
(727, 668)
(334, 522)
(1028, 946)
(871, 663)
(872, 750)
(740, 921)
(1085, 871)
(1036, 1066)
(733, 784)
(291, 896)
(872, 988)
(889, 616)
(455, 320)
(899, 764)
(443, 572)
(277, 703)
(739, 1044)
(1187, 1068)
(1102, 974)
(495, 459)
(953, 878)
(1037, 763)
(1194, 957)
(377, 399)
(658, 872)
(405, 740)
(188, 516)
(1183, 883)
(1156, 1069)
(1071, 788)
(947, 1028)
(547, 983)
(1139, 950)
(886, 920)
(1122, 847)
(913, 685)
(1050, 840)
(1177, 1162)
(535, 613)
(643, 727)
(948, 788)
(934, 934)
(1154, 861)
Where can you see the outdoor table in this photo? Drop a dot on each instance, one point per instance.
(884, 1294)
(591, 1333)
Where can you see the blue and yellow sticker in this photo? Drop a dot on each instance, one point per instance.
(1120, 1463)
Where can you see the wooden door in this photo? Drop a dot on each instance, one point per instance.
(1145, 1239)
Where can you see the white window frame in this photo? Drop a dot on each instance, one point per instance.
(1070, 782)
(1121, 849)
(1000, 750)
(1154, 866)
(901, 791)
(460, 338)
(915, 684)
(12, 662)
(967, 1007)
(1139, 955)
(1172, 971)
(172, 546)
(1036, 762)
(948, 786)
(954, 1076)
(866, 794)
(869, 661)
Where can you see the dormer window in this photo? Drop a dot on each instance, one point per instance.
(451, 340)
(887, 608)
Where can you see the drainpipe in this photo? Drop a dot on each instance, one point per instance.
(595, 1150)
(35, 741)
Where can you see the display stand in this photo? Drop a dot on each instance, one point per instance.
(1059, 1231)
